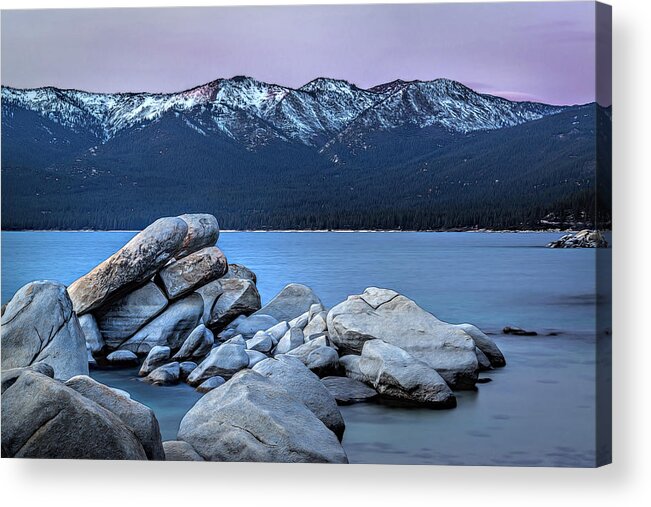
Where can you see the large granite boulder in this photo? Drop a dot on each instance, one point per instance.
(294, 300)
(170, 328)
(178, 450)
(43, 418)
(133, 264)
(396, 374)
(183, 276)
(40, 325)
(123, 316)
(348, 391)
(203, 231)
(240, 271)
(393, 318)
(197, 345)
(94, 340)
(138, 417)
(227, 298)
(158, 355)
(297, 380)
(251, 418)
(224, 361)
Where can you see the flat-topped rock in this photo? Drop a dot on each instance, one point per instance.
(348, 391)
(40, 325)
(132, 265)
(183, 276)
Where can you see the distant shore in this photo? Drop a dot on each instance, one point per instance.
(343, 231)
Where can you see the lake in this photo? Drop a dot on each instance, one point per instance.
(537, 411)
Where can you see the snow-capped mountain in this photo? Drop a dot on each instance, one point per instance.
(254, 113)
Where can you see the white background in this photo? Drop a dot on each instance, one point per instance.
(628, 480)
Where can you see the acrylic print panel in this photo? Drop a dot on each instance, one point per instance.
(342, 234)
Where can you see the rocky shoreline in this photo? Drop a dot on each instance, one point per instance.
(273, 374)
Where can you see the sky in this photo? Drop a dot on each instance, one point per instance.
(522, 51)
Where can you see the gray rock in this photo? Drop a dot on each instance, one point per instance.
(297, 380)
(178, 450)
(252, 419)
(165, 375)
(388, 316)
(240, 271)
(350, 365)
(518, 331)
(348, 391)
(202, 231)
(210, 384)
(484, 362)
(94, 341)
(43, 418)
(485, 344)
(170, 328)
(293, 338)
(300, 321)
(123, 358)
(582, 239)
(157, 356)
(133, 264)
(304, 350)
(317, 325)
(39, 325)
(139, 418)
(43, 368)
(185, 368)
(223, 361)
(122, 317)
(314, 309)
(226, 299)
(236, 340)
(396, 374)
(257, 322)
(294, 300)
(197, 269)
(197, 345)
(318, 356)
(261, 341)
(277, 331)
(255, 357)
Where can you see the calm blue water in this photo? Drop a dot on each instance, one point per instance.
(539, 410)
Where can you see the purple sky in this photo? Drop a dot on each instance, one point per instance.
(522, 51)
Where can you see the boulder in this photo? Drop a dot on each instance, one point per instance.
(314, 309)
(138, 417)
(396, 374)
(40, 325)
(240, 271)
(300, 321)
(122, 317)
(393, 318)
(251, 418)
(43, 418)
(291, 374)
(210, 384)
(350, 365)
(255, 357)
(43, 369)
(236, 340)
(304, 350)
(226, 299)
(261, 341)
(582, 239)
(318, 356)
(94, 340)
(122, 358)
(293, 338)
(277, 331)
(484, 362)
(157, 356)
(485, 344)
(202, 231)
(224, 361)
(185, 368)
(257, 322)
(166, 375)
(135, 263)
(197, 345)
(294, 300)
(518, 331)
(197, 269)
(170, 328)
(178, 450)
(316, 325)
(348, 391)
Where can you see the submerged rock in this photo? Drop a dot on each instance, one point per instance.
(170, 328)
(183, 276)
(251, 418)
(517, 331)
(393, 318)
(43, 418)
(133, 264)
(40, 325)
(294, 300)
(122, 317)
(348, 391)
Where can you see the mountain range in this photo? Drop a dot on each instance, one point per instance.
(328, 155)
